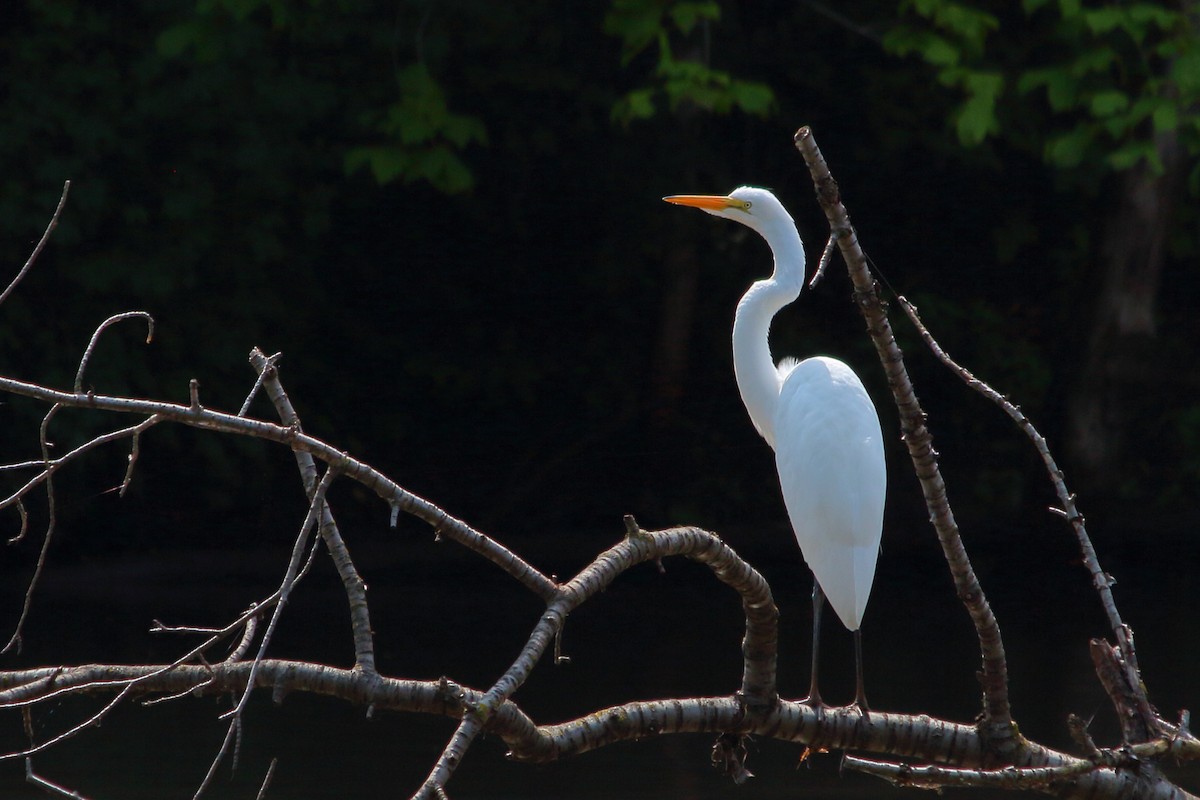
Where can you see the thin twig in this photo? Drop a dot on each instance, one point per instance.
(53, 465)
(844, 21)
(212, 767)
(135, 449)
(247, 639)
(27, 694)
(290, 576)
(42, 783)
(268, 368)
(1101, 581)
(823, 264)
(262, 790)
(114, 319)
(24, 522)
(49, 467)
(14, 642)
(37, 250)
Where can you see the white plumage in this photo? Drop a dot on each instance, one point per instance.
(817, 416)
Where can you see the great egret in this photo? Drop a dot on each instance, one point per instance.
(821, 423)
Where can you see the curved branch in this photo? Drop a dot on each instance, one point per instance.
(638, 547)
(997, 712)
(114, 319)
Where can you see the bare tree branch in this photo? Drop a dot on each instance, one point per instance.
(1101, 580)
(997, 713)
(91, 347)
(356, 589)
(37, 250)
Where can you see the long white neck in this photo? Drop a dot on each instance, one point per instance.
(758, 379)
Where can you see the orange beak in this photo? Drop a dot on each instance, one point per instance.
(706, 201)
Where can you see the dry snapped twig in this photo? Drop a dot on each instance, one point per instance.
(994, 676)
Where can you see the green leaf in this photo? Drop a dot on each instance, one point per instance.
(1132, 153)
(753, 97)
(638, 104)
(976, 118)
(1070, 8)
(176, 39)
(968, 24)
(686, 15)
(1107, 103)
(1185, 70)
(1165, 117)
(1157, 15)
(1103, 20)
(637, 23)
(385, 163)
(931, 47)
(1093, 60)
(1068, 149)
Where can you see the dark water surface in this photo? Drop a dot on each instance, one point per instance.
(436, 611)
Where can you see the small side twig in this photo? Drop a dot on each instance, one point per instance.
(37, 250)
(113, 320)
(291, 575)
(24, 513)
(14, 642)
(247, 639)
(262, 790)
(49, 786)
(268, 365)
(826, 257)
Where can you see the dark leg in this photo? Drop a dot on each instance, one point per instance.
(860, 692)
(818, 597)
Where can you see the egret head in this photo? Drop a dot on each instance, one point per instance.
(753, 207)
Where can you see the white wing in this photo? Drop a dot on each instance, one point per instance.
(829, 453)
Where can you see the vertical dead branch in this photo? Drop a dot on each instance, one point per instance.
(994, 677)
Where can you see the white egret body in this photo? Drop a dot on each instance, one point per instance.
(817, 417)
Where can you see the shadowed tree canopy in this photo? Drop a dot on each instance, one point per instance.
(463, 205)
